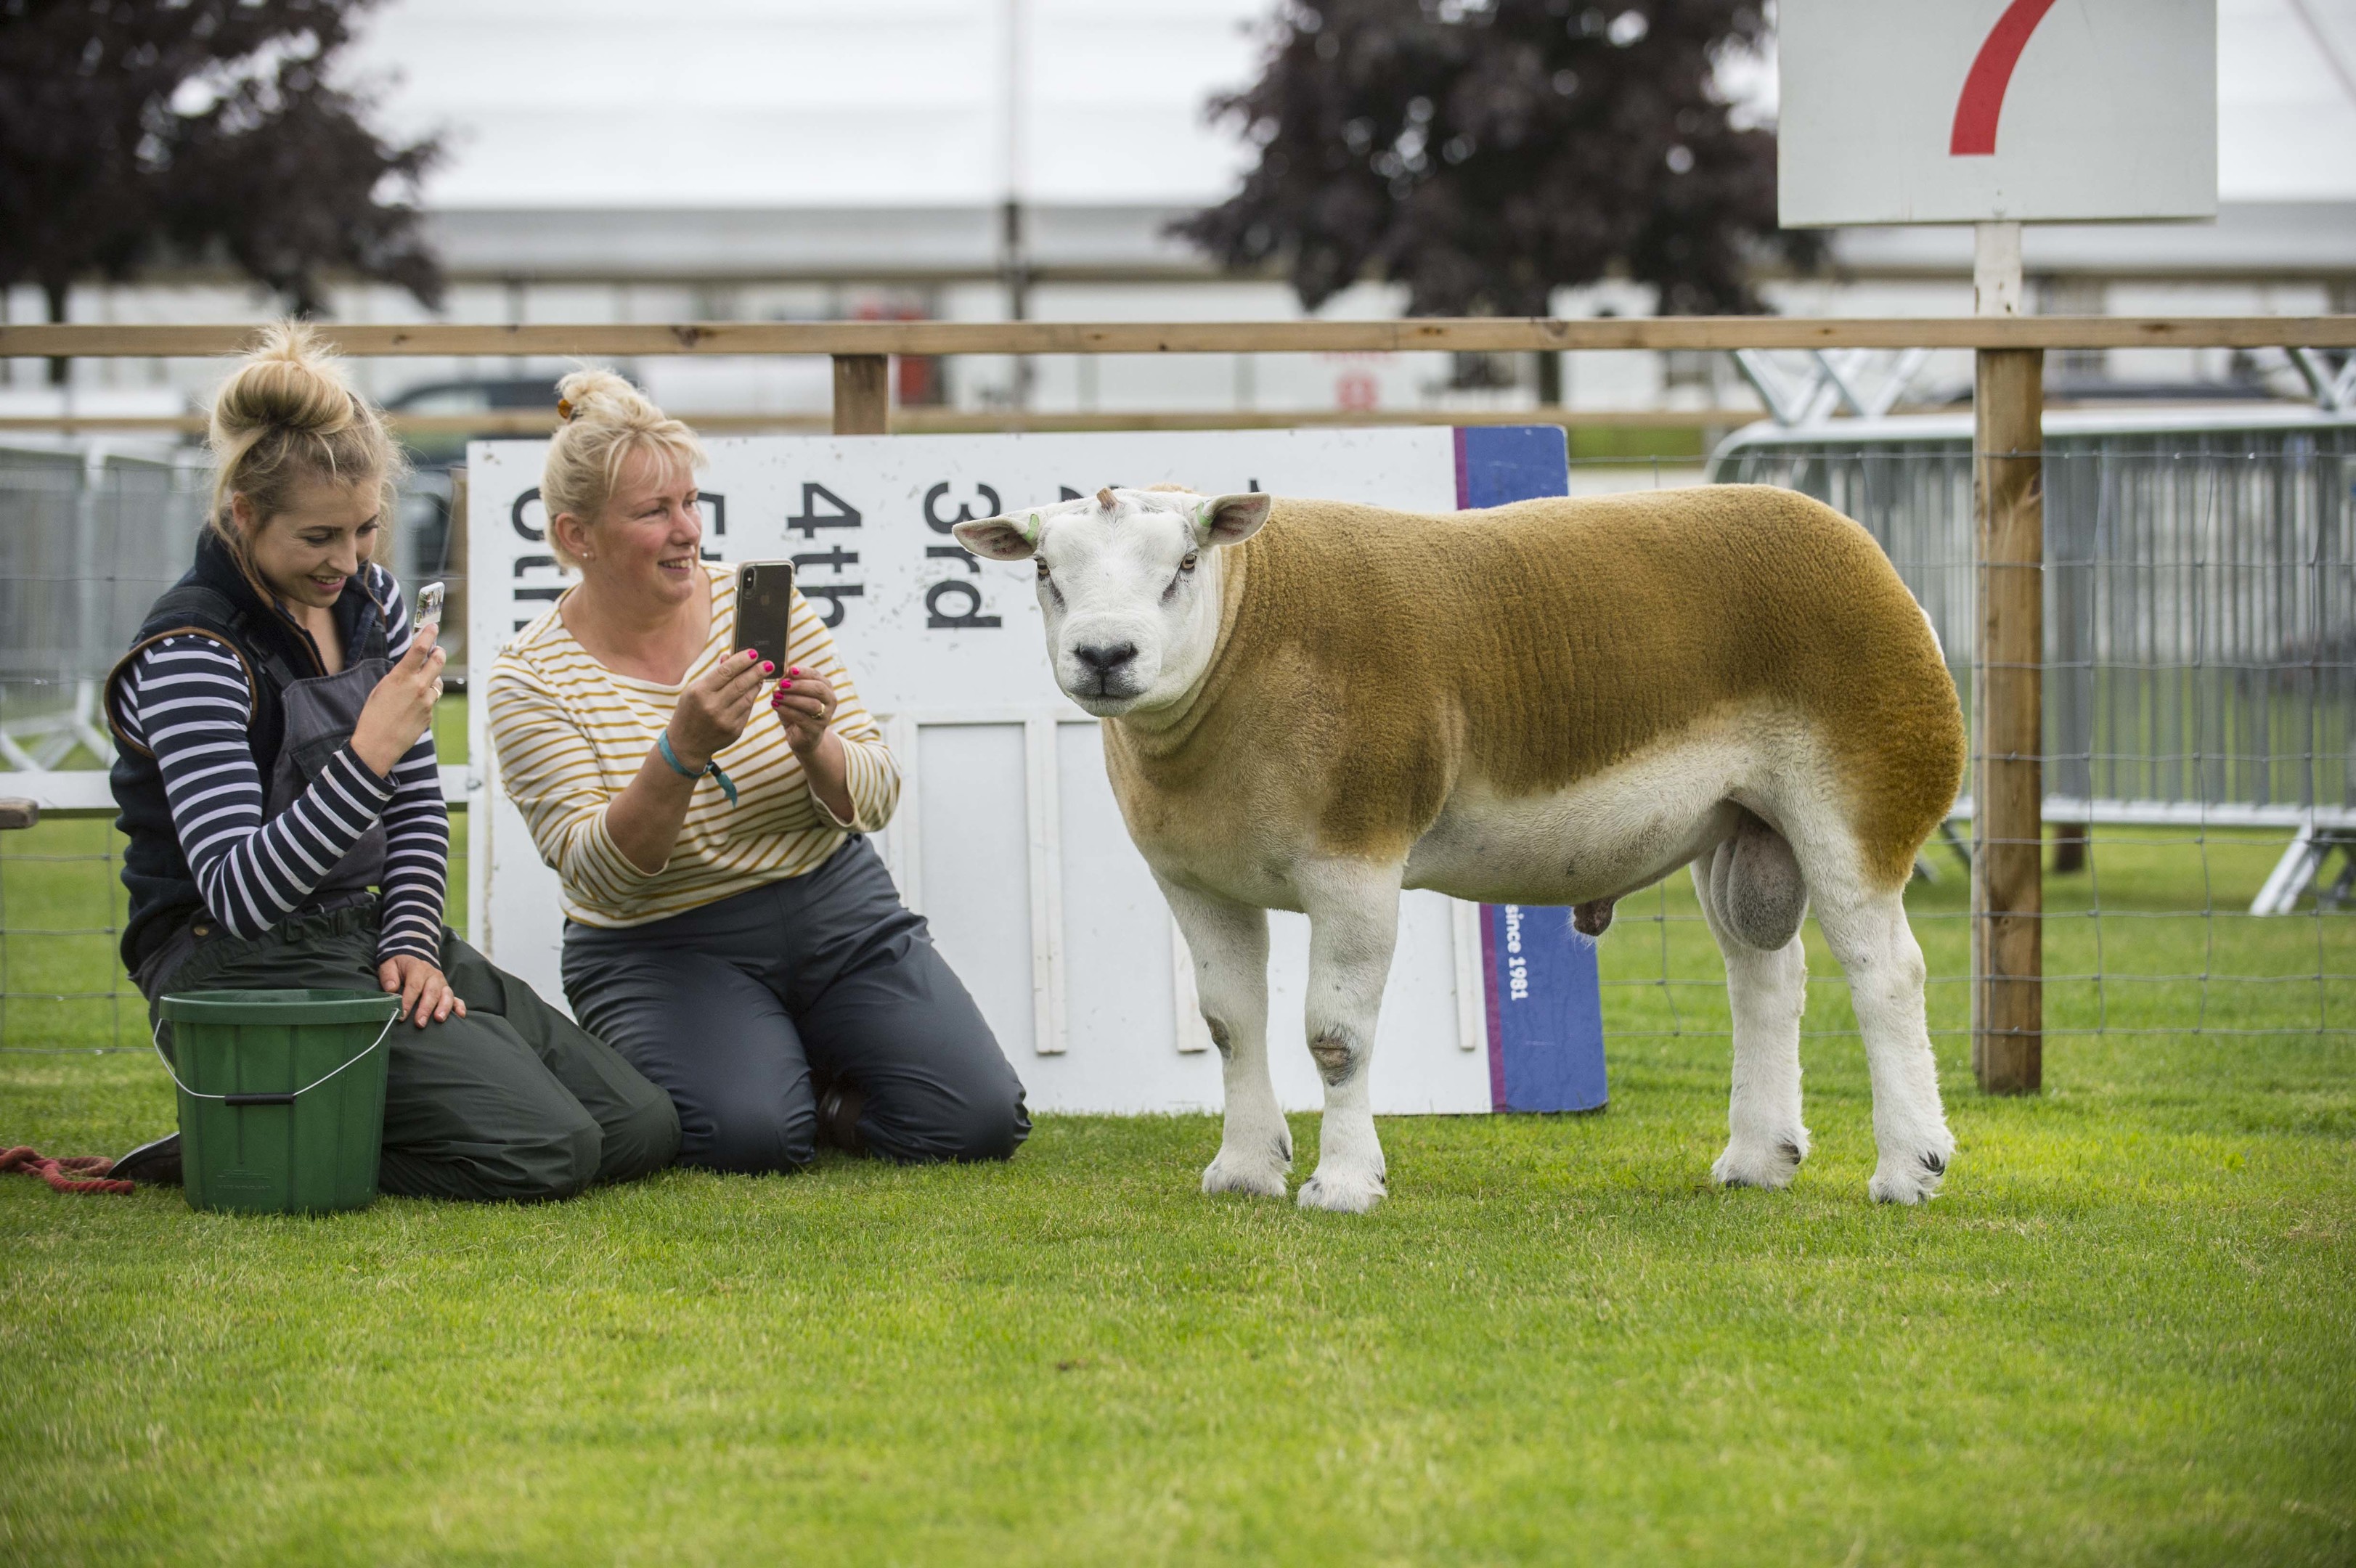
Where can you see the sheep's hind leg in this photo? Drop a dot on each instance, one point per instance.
(1353, 926)
(1229, 945)
(1768, 991)
(1869, 933)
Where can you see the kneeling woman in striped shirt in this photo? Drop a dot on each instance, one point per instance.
(730, 929)
(277, 765)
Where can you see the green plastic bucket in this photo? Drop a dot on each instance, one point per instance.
(281, 1097)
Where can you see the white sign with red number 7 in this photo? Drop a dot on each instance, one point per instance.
(1978, 111)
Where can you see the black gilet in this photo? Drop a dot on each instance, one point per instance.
(214, 598)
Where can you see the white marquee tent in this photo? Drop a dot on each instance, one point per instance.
(793, 104)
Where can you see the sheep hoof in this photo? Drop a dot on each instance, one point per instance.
(1768, 1166)
(1233, 1171)
(1910, 1178)
(1343, 1193)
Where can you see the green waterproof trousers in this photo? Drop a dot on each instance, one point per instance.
(513, 1102)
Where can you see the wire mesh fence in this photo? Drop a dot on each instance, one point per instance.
(62, 983)
(2199, 684)
(2199, 714)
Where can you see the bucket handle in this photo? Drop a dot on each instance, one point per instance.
(155, 1039)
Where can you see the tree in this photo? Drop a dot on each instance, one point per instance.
(1487, 154)
(135, 134)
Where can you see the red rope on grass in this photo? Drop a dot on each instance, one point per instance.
(68, 1173)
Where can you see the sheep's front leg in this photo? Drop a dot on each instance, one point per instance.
(1353, 926)
(1229, 945)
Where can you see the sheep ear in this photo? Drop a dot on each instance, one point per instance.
(1001, 538)
(1231, 519)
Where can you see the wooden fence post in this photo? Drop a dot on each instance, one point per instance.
(862, 394)
(2007, 730)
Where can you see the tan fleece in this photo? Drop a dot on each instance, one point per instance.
(1369, 661)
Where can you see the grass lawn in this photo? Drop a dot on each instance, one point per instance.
(2127, 1333)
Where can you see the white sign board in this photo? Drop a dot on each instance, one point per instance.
(1007, 840)
(1972, 111)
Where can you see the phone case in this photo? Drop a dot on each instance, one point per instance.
(764, 603)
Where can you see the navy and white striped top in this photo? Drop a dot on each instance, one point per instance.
(187, 700)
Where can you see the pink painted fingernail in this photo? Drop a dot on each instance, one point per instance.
(796, 670)
(768, 668)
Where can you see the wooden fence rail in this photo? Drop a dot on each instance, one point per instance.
(2008, 1015)
(492, 422)
(1459, 335)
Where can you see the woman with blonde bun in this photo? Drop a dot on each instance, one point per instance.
(730, 931)
(278, 787)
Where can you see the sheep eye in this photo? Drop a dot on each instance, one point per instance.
(1188, 564)
(1043, 568)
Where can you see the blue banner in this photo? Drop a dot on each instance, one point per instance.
(1545, 1006)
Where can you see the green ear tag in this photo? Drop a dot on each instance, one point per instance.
(1032, 533)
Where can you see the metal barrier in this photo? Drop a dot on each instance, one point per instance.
(2200, 587)
(91, 532)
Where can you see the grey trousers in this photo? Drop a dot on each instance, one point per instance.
(737, 1007)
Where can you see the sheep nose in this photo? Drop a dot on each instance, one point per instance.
(1105, 657)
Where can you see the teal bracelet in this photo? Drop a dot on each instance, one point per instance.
(727, 785)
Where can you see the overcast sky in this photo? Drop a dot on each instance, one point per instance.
(903, 103)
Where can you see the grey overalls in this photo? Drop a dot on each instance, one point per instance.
(514, 1101)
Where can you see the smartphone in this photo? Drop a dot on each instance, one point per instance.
(429, 606)
(765, 605)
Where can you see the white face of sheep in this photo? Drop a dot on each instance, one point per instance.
(1127, 585)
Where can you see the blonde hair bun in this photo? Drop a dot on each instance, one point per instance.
(606, 419)
(292, 381)
(607, 398)
(287, 414)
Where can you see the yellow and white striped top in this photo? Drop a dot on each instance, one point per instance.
(571, 734)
